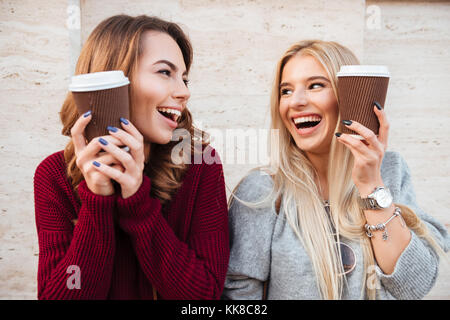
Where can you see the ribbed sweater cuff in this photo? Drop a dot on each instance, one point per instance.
(93, 202)
(415, 272)
(139, 203)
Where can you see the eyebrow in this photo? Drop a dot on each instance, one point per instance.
(283, 84)
(171, 65)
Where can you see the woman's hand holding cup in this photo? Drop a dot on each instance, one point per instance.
(87, 154)
(130, 173)
(368, 153)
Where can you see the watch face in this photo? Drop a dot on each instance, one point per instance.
(383, 198)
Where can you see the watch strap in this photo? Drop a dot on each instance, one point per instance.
(368, 204)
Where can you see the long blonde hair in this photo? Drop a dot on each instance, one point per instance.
(294, 180)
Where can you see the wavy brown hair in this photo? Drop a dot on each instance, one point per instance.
(116, 44)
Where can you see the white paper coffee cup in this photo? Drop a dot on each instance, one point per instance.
(363, 71)
(98, 81)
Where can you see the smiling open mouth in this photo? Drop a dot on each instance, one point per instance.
(172, 114)
(307, 122)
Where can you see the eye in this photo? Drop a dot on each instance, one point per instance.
(165, 72)
(285, 91)
(316, 85)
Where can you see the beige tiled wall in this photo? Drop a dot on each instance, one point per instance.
(236, 46)
(34, 70)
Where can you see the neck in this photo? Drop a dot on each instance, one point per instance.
(320, 163)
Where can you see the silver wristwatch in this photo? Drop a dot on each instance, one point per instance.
(380, 198)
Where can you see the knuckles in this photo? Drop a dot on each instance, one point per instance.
(128, 159)
(80, 163)
(372, 161)
(371, 135)
(73, 131)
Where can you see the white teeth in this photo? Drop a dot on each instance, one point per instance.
(307, 119)
(168, 110)
(176, 113)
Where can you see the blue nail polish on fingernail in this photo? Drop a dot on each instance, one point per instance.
(112, 129)
(95, 163)
(103, 141)
(87, 114)
(338, 134)
(124, 121)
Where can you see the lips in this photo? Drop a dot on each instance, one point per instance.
(306, 120)
(170, 118)
(170, 113)
(306, 123)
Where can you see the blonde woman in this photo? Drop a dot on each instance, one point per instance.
(305, 230)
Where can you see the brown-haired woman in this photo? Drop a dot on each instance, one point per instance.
(160, 229)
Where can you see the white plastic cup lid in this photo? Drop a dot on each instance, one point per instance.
(363, 70)
(98, 81)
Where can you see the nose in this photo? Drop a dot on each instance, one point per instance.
(181, 91)
(299, 98)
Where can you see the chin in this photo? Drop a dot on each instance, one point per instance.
(313, 145)
(162, 140)
(163, 137)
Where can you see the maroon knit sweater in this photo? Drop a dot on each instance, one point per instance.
(122, 247)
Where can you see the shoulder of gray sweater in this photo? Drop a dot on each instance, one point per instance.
(252, 207)
(393, 161)
(393, 169)
(256, 185)
(395, 172)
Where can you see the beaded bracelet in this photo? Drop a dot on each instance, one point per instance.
(382, 226)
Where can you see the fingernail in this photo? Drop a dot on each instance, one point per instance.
(338, 134)
(103, 141)
(347, 122)
(95, 163)
(87, 114)
(112, 129)
(124, 121)
(378, 105)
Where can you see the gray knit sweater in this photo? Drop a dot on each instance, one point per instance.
(263, 244)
